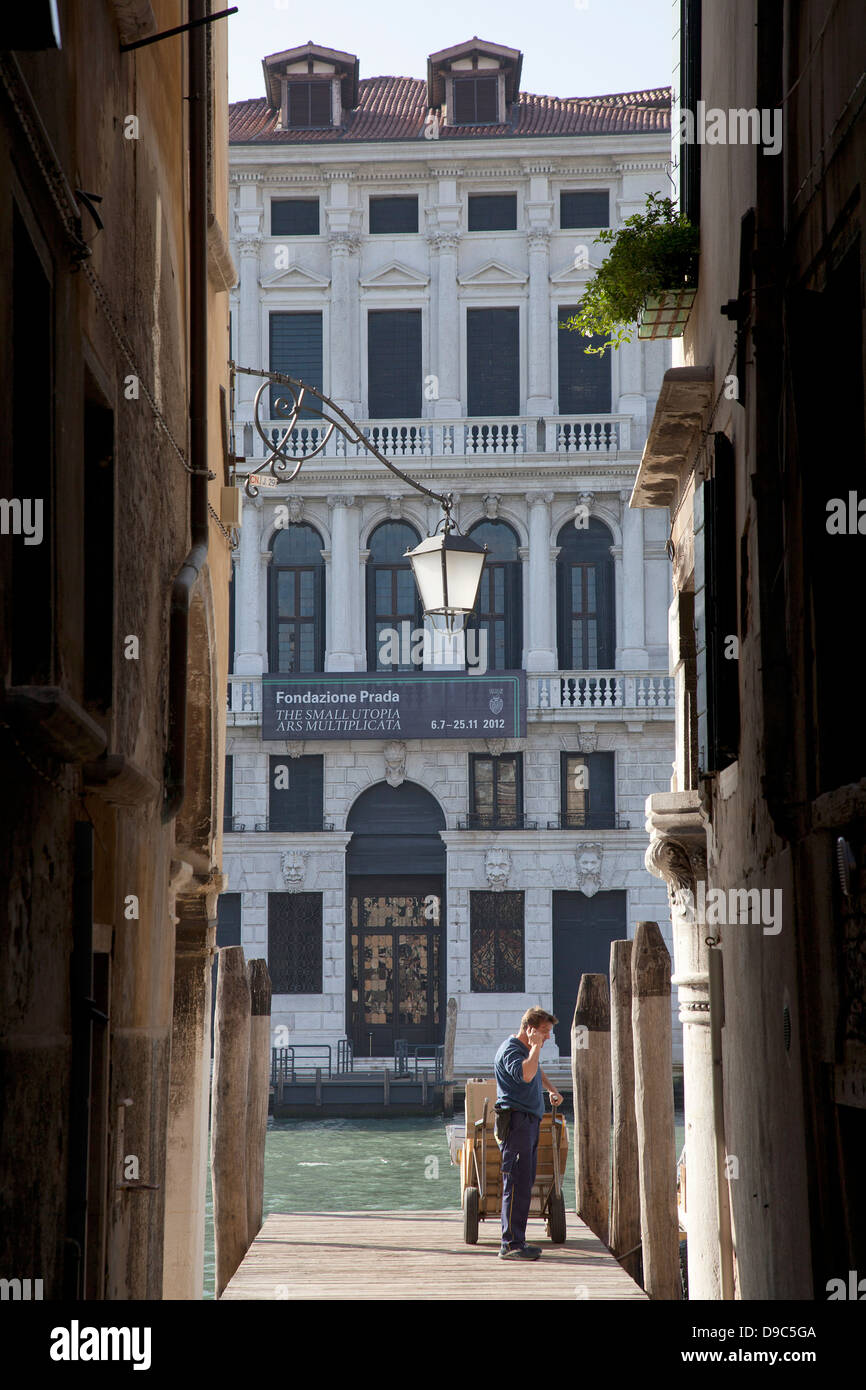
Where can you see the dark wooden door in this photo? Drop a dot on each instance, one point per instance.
(396, 955)
(583, 929)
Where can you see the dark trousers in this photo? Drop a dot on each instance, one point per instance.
(519, 1157)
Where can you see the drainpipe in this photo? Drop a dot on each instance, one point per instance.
(185, 579)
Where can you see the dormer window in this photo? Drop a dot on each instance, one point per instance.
(474, 83)
(476, 101)
(308, 104)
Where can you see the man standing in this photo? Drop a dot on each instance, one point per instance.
(520, 1084)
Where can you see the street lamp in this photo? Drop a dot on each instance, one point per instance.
(447, 566)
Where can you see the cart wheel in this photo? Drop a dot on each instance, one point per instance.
(556, 1218)
(470, 1215)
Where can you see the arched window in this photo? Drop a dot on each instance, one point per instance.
(499, 611)
(392, 596)
(296, 607)
(586, 616)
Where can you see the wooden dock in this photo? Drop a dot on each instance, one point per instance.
(419, 1255)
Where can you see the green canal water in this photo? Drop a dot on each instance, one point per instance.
(362, 1165)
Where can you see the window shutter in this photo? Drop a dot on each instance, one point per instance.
(393, 215)
(493, 351)
(228, 806)
(584, 380)
(718, 692)
(492, 212)
(394, 364)
(486, 100)
(300, 805)
(602, 792)
(514, 615)
(584, 209)
(320, 103)
(295, 350)
(295, 217)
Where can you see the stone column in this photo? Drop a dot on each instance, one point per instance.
(249, 335)
(678, 853)
(344, 567)
(633, 653)
(359, 618)
(616, 552)
(261, 608)
(447, 364)
(344, 384)
(248, 647)
(189, 1093)
(632, 392)
(541, 653)
(539, 400)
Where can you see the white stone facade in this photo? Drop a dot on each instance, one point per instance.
(443, 270)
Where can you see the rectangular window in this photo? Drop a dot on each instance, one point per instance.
(30, 603)
(496, 943)
(493, 212)
(308, 104)
(718, 689)
(584, 378)
(294, 217)
(588, 791)
(493, 354)
(393, 215)
(296, 351)
(475, 101)
(496, 791)
(228, 803)
(296, 793)
(584, 209)
(98, 548)
(295, 942)
(394, 364)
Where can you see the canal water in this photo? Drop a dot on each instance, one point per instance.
(363, 1165)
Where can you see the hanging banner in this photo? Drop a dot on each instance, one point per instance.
(401, 705)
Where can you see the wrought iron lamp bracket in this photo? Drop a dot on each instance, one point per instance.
(279, 458)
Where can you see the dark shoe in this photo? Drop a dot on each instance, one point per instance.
(521, 1252)
(536, 1250)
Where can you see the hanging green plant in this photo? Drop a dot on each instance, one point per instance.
(653, 266)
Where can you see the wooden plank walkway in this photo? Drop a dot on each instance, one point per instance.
(419, 1255)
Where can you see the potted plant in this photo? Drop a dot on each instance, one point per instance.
(650, 277)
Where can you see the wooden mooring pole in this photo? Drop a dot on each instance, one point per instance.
(258, 1085)
(229, 1111)
(625, 1194)
(590, 1070)
(654, 1111)
(448, 1059)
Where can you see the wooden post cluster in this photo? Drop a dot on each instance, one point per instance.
(625, 1195)
(590, 1070)
(621, 1046)
(448, 1059)
(257, 1092)
(654, 1110)
(241, 1077)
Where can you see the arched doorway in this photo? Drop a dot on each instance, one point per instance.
(395, 925)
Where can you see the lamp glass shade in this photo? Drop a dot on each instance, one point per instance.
(447, 570)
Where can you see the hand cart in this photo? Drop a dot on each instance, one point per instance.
(481, 1167)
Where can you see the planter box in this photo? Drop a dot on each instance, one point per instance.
(664, 315)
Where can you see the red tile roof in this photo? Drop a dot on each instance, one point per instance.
(395, 108)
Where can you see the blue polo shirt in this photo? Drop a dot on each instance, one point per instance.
(511, 1089)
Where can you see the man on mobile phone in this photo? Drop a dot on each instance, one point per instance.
(520, 1086)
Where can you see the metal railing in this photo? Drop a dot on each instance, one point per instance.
(515, 435)
(419, 1058)
(477, 820)
(286, 1066)
(248, 821)
(589, 820)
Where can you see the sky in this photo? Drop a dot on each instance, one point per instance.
(570, 48)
